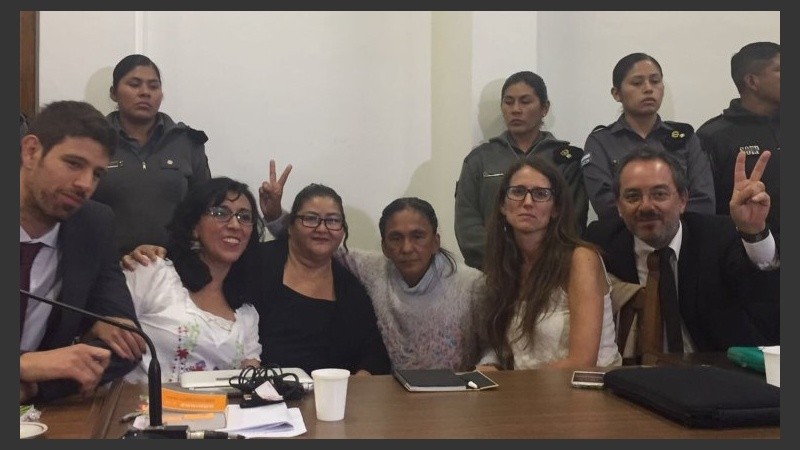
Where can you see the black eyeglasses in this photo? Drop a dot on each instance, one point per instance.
(538, 194)
(224, 214)
(312, 221)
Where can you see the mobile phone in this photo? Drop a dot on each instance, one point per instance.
(585, 379)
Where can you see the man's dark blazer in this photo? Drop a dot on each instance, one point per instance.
(91, 279)
(724, 299)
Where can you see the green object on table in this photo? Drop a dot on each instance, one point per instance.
(748, 357)
(23, 409)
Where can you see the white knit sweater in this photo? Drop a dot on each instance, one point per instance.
(431, 325)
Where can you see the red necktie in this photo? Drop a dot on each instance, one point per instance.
(27, 253)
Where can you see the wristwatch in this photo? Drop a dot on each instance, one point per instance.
(753, 238)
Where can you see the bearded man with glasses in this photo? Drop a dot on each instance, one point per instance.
(726, 269)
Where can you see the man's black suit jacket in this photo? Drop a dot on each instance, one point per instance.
(91, 279)
(724, 299)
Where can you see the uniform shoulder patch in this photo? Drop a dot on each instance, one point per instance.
(586, 158)
(681, 132)
(567, 155)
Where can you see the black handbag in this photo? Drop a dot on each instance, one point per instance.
(699, 396)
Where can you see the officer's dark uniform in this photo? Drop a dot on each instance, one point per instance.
(606, 145)
(735, 130)
(145, 183)
(482, 172)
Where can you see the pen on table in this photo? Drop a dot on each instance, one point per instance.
(472, 385)
(208, 434)
(130, 416)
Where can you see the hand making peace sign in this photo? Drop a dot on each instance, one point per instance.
(271, 192)
(750, 202)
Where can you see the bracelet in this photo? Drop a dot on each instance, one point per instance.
(753, 238)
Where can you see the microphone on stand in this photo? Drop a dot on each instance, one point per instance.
(156, 429)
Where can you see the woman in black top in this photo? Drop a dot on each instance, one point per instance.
(313, 313)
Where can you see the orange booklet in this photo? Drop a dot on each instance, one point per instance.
(181, 400)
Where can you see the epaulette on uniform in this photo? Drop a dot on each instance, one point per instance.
(485, 141)
(599, 127)
(567, 155)
(680, 127)
(197, 136)
(472, 153)
(681, 132)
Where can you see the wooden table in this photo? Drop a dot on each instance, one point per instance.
(77, 418)
(528, 404)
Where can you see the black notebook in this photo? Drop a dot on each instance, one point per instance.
(441, 380)
(699, 396)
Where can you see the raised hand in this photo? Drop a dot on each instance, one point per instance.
(271, 192)
(750, 202)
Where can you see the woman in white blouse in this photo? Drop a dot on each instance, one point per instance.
(193, 304)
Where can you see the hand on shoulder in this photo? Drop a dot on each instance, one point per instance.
(142, 255)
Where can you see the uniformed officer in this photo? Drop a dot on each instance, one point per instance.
(751, 124)
(638, 85)
(157, 161)
(524, 105)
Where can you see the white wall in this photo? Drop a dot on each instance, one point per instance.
(693, 48)
(385, 104)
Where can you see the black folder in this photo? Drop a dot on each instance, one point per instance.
(416, 380)
(699, 396)
(442, 380)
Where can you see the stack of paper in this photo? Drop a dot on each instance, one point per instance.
(274, 420)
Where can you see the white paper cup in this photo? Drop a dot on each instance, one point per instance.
(772, 364)
(330, 393)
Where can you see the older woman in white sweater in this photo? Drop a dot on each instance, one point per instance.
(424, 301)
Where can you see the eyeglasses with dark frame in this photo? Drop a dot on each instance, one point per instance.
(313, 221)
(538, 194)
(223, 214)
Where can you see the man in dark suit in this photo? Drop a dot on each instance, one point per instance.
(62, 157)
(727, 267)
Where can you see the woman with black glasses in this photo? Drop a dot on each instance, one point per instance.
(314, 312)
(548, 296)
(194, 304)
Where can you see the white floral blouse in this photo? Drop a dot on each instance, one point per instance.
(186, 338)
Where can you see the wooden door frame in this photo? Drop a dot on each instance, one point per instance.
(28, 63)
